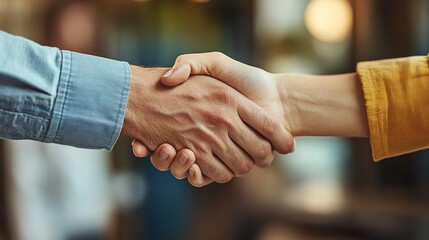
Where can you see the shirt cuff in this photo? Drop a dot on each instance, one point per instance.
(396, 103)
(91, 101)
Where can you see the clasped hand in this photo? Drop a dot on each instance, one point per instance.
(198, 108)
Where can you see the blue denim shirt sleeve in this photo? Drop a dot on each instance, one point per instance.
(60, 97)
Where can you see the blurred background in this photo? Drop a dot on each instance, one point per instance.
(328, 189)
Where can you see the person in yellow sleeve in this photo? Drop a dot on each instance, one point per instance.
(387, 101)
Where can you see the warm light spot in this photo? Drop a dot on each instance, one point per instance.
(141, 1)
(329, 20)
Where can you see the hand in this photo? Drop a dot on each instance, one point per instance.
(205, 116)
(254, 83)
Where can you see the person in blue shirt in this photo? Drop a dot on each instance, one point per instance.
(54, 96)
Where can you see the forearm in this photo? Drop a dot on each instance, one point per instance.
(29, 75)
(323, 105)
(60, 97)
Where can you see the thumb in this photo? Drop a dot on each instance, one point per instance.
(139, 149)
(214, 64)
(196, 64)
(177, 75)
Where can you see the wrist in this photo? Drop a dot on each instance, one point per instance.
(142, 80)
(323, 105)
(289, 96)
(127, 127)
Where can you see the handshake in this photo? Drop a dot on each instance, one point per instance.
(211, 118)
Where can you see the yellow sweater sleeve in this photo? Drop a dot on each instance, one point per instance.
(396, 95)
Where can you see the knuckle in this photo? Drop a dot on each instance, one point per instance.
(228, 122)
(182, 59)
(240, 170)
(217, 55)
(225, 95)
(225, 177)
(265, 155)
(244, 168)
(266, 162)
(217, 60)
(249, 166)
(218, 118)
(265, 150)
(260, 73)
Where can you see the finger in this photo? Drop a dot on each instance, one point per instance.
(139, 149)
(235, 158)
(266, 125)
(215, 169)
(163, 156)
(259, 149)
(213, 64)
(176, 75)
(181, 163)
(196, 178)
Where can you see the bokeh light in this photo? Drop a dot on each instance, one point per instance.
(329, 20)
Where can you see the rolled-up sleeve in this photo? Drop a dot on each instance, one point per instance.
(62, 97)
(396, 95)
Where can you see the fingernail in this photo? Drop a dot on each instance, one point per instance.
(167, 74)
(191, 172)
(294, 146)
(163, 155)
(132, 143)
(183, 159)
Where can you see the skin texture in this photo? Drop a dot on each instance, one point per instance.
(227, 132)
(306, 105)
(323, 105)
